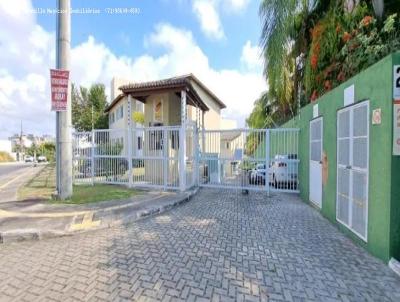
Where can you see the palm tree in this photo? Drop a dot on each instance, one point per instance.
(285, 40)
(278, 21)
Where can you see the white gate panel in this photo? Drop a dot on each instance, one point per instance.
(352, 168)
(249, 159)
(315, 181)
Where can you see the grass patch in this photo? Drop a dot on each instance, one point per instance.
(99, 192)
(42, 186)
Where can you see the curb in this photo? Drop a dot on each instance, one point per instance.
(154, 211)
(20, 235)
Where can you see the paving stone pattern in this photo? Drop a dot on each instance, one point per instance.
(221, 246)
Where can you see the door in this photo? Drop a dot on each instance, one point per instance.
(316, 127)
(352, 168)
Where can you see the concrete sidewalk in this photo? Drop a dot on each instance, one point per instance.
(32, 220)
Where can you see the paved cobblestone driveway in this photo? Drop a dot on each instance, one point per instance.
(220, 246)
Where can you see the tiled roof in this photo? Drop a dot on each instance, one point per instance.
(176, 81)
(170, 83)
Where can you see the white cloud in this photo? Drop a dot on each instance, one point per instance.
(210, 23)
(24, 80)
(208, 13)
(251, 56)
(235, 5)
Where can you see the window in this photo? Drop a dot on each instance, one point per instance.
(112, 117)
(158, 111)
(120, 112)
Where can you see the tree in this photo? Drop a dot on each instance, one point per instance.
(48, 149)
(32, 150)
(285, 40)
(88, 107)
(138, 117)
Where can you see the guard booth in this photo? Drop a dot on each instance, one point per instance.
(183, 141)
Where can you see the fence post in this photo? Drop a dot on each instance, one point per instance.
(182, 144)
(267, 144)
(130, 145)
(165, 157)
(92, 163)
(196, 150)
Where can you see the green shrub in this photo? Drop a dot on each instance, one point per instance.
(5, 157)
(344, 44)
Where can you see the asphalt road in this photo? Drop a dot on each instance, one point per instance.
(8, 171)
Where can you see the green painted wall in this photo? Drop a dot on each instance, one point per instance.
(373, 84)
(395, 201)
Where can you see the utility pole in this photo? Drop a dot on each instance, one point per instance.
(20, 142)
(63, 118)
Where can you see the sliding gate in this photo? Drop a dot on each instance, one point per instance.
(154, 157)
(249, 159)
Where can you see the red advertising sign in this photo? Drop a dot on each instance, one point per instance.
(59, 89)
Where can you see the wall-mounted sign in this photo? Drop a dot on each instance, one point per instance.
(396, 82)
(158, 110)
(396, 128)
(59, 89)
(315, 111)
(377, 116)
(348, 96)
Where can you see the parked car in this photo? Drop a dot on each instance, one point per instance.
(282, 172)
(41, 159)
(257, 175)
(29, 159)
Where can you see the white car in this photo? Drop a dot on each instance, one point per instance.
(283, 171)
(42, 159)
(257, 175)
(29, 159)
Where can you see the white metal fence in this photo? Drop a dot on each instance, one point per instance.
(250, 159)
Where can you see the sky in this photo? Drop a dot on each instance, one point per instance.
(139, 40)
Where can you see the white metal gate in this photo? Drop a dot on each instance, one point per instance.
(352, 168)
(249, 159)
(252, 159)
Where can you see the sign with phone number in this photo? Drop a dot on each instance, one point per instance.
(59, 80)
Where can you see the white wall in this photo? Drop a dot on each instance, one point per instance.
(115, 84)
(212, 118)
(228, 124)
(5, 145)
